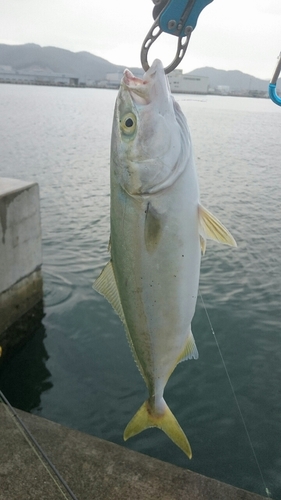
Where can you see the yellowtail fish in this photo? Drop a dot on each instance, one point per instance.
(157, 228)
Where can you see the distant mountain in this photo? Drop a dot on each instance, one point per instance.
(54, 60)
(30, 57)
(235, 80)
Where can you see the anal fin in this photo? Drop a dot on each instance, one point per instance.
(190, 350)
(106, 285)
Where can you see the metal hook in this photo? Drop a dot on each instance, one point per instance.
(272, 85)
(150, 38)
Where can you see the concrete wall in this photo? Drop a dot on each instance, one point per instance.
(20, 249)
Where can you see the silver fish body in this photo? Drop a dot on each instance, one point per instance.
(158, 229)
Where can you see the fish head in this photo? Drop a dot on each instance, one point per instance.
(150, 138)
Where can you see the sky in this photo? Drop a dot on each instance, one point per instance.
(230, 34)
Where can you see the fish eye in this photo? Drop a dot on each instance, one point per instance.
(128, 123)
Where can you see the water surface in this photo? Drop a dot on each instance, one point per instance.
(78, 369)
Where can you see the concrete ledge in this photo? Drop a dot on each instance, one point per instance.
(20, 231)
(20, 251)
(19, 299)
(94, 469)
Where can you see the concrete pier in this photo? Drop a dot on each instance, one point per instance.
(93, 469)
(20, 252)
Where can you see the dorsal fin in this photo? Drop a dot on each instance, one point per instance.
(211, 227)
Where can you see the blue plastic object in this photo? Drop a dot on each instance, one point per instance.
(185, 14)
(273, 94)
(272, 85)
(177, 17)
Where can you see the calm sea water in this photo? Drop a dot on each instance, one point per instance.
(78, 369)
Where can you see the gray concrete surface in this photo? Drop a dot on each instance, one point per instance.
(20, 250)
(20, 231)
(93, 468)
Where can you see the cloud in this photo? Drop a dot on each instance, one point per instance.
(231, 34)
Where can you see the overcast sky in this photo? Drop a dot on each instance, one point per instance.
(230, 34)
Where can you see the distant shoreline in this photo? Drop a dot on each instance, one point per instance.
(253, 94)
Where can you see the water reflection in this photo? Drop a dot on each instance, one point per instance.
(24, 377)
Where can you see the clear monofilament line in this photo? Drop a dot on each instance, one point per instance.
(36, 448)
(236, 400)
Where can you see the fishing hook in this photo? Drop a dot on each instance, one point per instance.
(272, 85)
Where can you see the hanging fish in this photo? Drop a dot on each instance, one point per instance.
(157, 228)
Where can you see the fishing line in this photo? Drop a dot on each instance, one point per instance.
(35, 446)
(236, 400)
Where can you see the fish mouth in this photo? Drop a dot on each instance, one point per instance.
(140, 89)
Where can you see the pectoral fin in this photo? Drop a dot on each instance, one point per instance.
(152, 228)
(211, 227)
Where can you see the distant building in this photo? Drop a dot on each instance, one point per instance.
(179, 82)
(36, 76)
(223, 89)
(189, 84)
(113, 80)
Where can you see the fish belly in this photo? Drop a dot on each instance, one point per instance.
(155, 253)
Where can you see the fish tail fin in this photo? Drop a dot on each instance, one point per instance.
(147, 417)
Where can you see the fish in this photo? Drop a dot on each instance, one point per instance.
(158, 230)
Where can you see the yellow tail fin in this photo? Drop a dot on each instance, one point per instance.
(146, 417)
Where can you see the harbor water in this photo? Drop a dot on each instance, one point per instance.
(78, 369)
